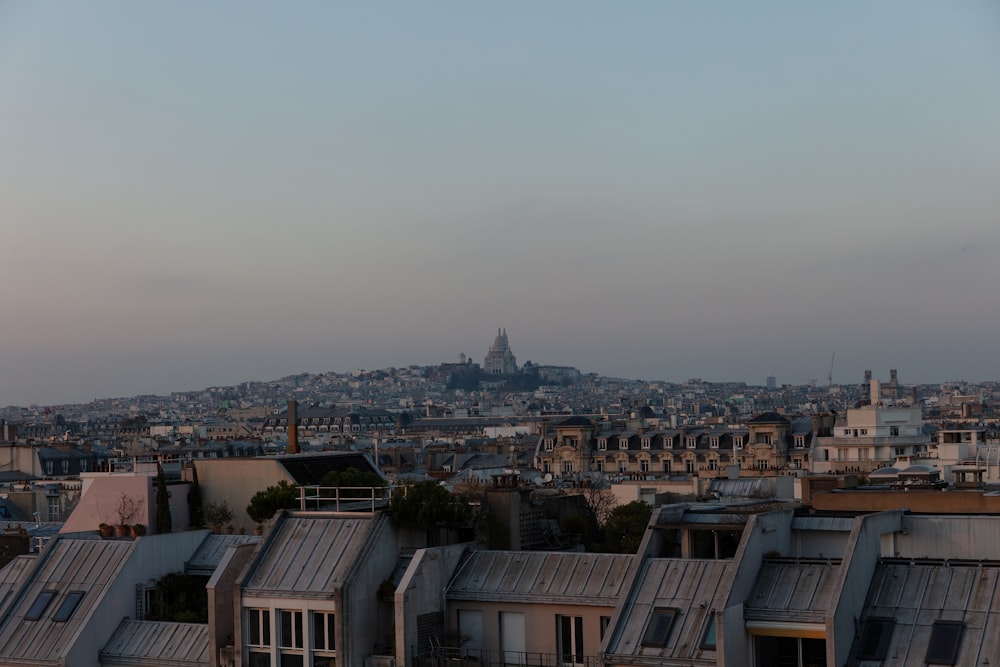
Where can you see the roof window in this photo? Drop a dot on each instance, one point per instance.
(942, 648)
(875, 638)
(39, 605)
(658, 630)
(68, 606)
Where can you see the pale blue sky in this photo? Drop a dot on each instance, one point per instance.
(197, 194)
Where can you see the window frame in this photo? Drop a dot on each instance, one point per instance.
(68, 606)
(40, 604)
(659, 626)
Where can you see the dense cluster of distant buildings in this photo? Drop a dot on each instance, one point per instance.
(799, 525)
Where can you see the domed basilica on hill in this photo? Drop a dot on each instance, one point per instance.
(500, 360)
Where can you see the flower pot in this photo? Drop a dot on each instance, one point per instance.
(106, 531)
(122, 531)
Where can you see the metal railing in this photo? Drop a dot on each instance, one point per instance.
(345, 498)
(467, 657)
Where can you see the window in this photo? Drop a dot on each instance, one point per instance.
(864, 431)
(644, 465)
(68, 606)
(875, 638)
(800, 441)
(893, 430)
(570, 638)
(49, 467)
(623, 443)
(864, 453)
(258, 627)
(39, 605)
(691, 442)
(622, 466)
(713, 464)
(666, 466)
(605, 622)
(602, 444)
(323, 631)
(713, 442)
(567, 467)
(599, 465)
(645, 443)
(668, 443)
(842, 454)
(942, 648)
(549, 443)
(658, 631)
(689, 466)
(764, 438)
(738, 441)
(546, 467)
(708, 639)
(83, 465)
(65, 466)
(55, 508)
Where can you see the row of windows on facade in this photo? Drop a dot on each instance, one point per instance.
(690, 443)
(690, 466)
(289, 637)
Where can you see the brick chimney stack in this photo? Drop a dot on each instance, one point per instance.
(293, 427)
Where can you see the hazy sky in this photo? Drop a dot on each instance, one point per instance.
(198, 194)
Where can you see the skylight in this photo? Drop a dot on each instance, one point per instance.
(39, 605)
(875, 638)
(942, 648)
(658, 630)
(68, 606)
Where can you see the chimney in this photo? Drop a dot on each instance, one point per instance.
(875, 392)
(868, 377)
(293, 427)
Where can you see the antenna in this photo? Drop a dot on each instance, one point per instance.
(829, 375)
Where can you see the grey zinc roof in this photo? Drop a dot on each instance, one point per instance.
(209, 554)
(309, 554)
(558, 577)
(793, 591)
(685, 584)
(157, 643)
(66, 565)
(916, 594)
(13, 575)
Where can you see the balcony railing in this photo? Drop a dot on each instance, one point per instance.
(455, 657)
(346, 498)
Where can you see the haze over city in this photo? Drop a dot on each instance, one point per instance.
(201, 194)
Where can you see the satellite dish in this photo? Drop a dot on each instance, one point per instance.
(548, 477)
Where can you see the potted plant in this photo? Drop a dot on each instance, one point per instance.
(107, 530)
(127, 509)
(138, 530)
(216, 515)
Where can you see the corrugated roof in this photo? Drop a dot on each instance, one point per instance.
(918, 594)
(157, 643)
(66, 565)
(800, 591)
(673, 583)
(572, 578)
(209, 554)
(309, 554)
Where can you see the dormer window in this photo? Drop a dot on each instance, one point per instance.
(713, 442)
(602, 444)
(738, 441)
(691, 442)
(668, 443)
(549, 443)
(645, 443)
(65, 466)
(800, 441)
(623, 443)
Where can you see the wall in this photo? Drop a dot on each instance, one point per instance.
(422, 591)
(223, 608)
(971, 537)
(236, 480)
(929, 501)
(856, 572)
(363, 621)
(763, 533)
(102, 493)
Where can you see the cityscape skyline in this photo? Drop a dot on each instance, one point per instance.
(199, 195)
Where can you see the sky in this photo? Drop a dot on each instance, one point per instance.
(198, 194)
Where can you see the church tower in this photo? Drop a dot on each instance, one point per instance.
(500, 360)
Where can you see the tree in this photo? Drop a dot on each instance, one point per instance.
(196, 511)
(265, 504)
(625, 527)
(164, 522)
(352, 477)
(430, 506)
